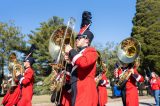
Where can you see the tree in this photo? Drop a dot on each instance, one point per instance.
(40, 38)
(147, 30)
(11, 39)
(109, 56)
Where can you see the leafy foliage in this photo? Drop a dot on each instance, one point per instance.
(109, 56)
(147, 30)
(40, 38)
(11, 39)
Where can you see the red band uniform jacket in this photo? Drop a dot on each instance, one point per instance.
(102, 91)
(12, 98)
(131, 92)
(27, 87)
(83, 85)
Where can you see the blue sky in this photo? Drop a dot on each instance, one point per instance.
(112, 19)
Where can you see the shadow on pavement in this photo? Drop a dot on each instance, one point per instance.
(146, 104)
(2, 95)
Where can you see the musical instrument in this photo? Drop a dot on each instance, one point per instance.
(14, 66)
(128, 52)
(99, 76)
(60, 37)
(100, 68)
(56, 80)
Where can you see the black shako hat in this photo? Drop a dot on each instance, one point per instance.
(30, 60)
(86, 22)
(87, 34)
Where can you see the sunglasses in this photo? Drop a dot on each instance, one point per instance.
(25, 60)
(80, 37)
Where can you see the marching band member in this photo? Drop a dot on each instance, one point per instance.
(12, 97)
(65, 94)
(26, 82)
(129, 90)
(13, 94)
(155, 86)
(83, 86)
(102, 91)
(66, 90)
(101, 81)
(116, 91)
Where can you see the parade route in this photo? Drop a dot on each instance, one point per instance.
(44, 100)
(143, 101)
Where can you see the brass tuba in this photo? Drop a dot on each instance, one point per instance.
(62, 36)
(128, 52)
(13, 67)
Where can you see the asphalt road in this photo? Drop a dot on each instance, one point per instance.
(143, 101)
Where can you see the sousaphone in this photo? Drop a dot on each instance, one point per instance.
(64, 35)
(128, 52)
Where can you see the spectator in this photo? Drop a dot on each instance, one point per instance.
(155, 86)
